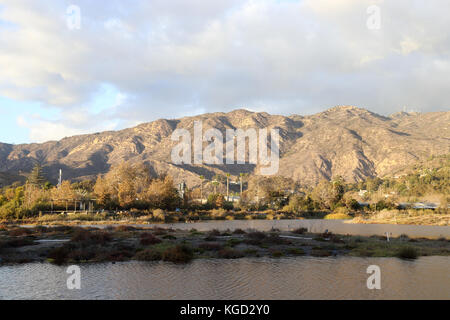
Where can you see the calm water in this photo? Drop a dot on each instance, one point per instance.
(313, 225)
(249, 278)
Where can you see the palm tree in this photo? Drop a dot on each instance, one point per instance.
(215, 183)
(241, 177)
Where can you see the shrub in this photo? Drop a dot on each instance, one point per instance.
(81, 254)
(116, 255)
(159, 214)
(233, 242)
(257, 235)
(58, 255)
(91, 237)
(239, 231)
(277, 253)
(218, 213)
(228, 253)
(275, 239)
(159, 231)
(19, 232)
(300, 231)
(210, 246)
(148, 239)
(407, 253)
(320, 253)
(337, 216)
(295, 251)
(124, 228)
(148, 255)
(214, 233)
(352, 204)
(19, 242)
(178, 254)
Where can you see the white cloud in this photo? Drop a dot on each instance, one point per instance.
(170, 58)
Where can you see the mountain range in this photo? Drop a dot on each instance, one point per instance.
(347, 141)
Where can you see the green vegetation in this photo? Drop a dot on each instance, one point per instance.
(123, 243)
(129, 193)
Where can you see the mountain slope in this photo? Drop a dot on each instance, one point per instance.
(347, 141)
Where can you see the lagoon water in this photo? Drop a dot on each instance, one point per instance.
(247, 278)
(313, 225)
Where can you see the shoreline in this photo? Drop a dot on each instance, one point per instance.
(393, 217)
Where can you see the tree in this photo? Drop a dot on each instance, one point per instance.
(36, 177)
(215, 183)
(162, 194)
(220, 201)
(327, 193)
(123, 184)
(102, 192)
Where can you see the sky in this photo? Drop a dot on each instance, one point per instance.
(81, 66)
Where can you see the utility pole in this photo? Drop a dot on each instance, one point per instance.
(228, 186)
(241, 176)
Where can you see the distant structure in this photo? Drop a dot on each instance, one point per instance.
(60, 178)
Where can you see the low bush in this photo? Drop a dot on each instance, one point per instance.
(148, 255)
(407, 253)
(296, 251)
(178, 254)
(149, 239)
(91, 237)
(228, 253)
(320, 253)
(239, 231)
(214, 233)
(256, 235)
(210, 238)
(300, 231)
(124, 228)
(233, 242)
(277, 253)
(18, 232)
(59, 255)
(19, 242)
(159, 214)
(214, 246)
(81, 254)
(337, 216)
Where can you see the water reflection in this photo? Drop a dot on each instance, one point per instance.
(263, 278)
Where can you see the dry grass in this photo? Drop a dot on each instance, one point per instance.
(337, 216)
(415, 217)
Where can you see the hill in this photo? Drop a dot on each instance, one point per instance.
(348, 141)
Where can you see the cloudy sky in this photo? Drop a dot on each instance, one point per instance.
(129, 62)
